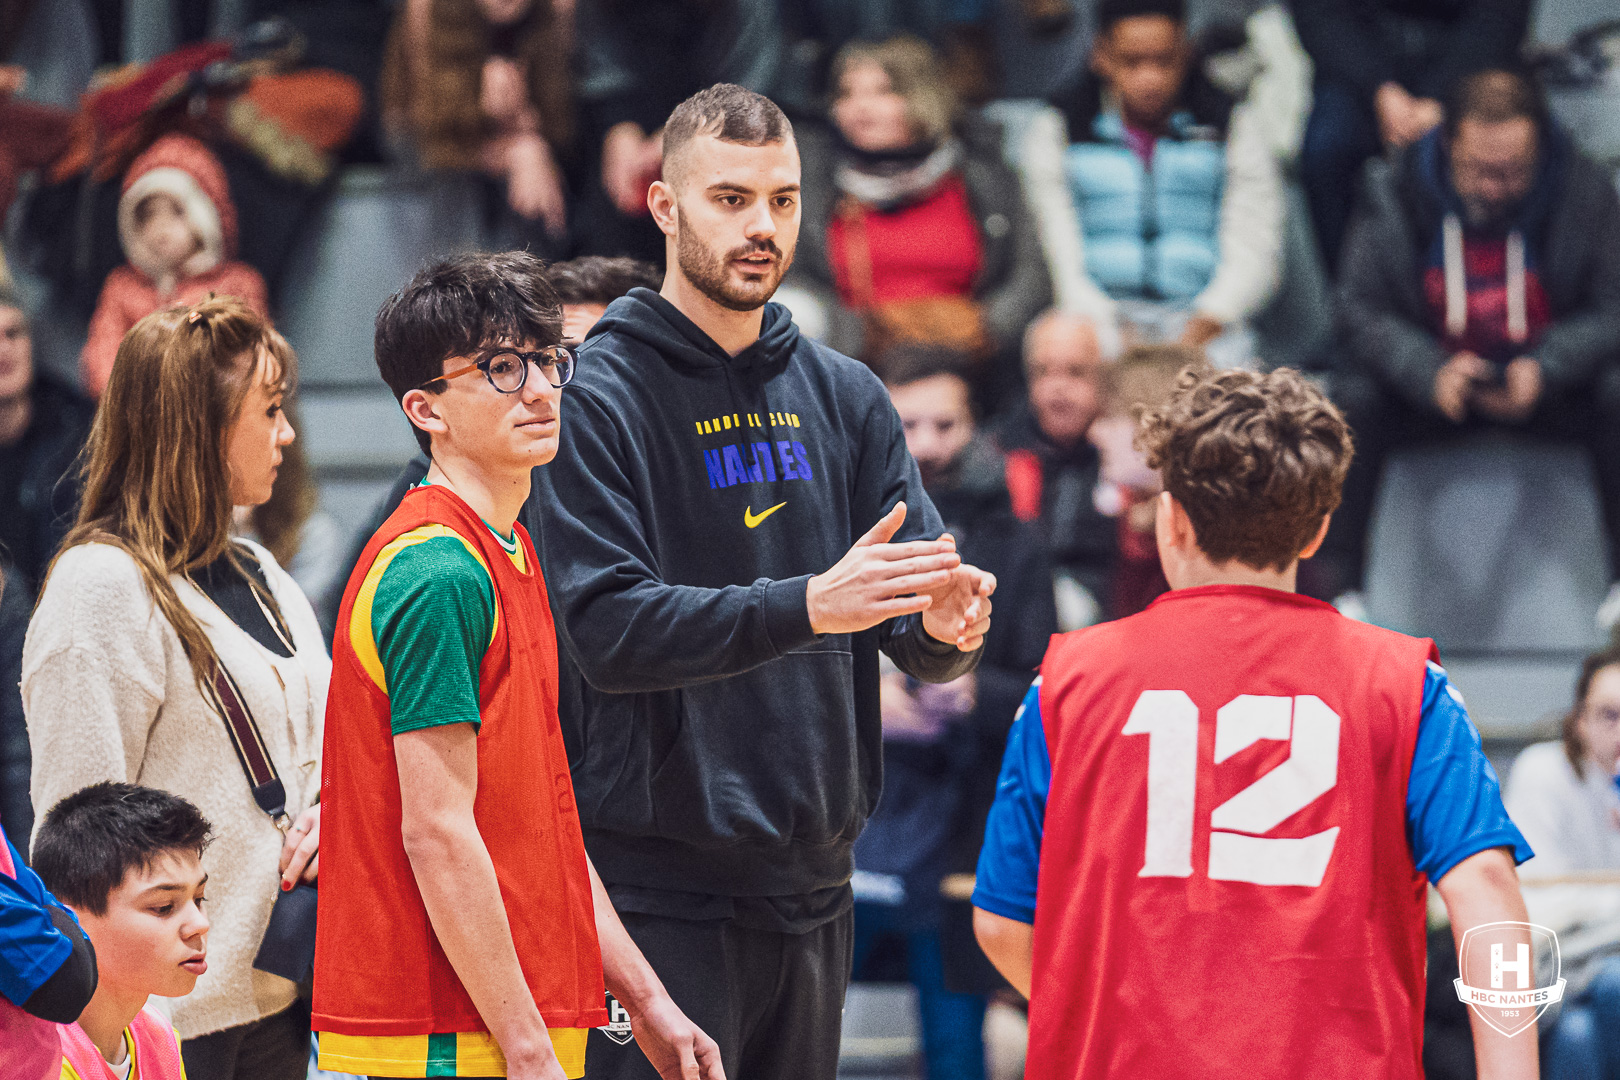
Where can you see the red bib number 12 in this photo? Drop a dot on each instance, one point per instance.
(1237, 850)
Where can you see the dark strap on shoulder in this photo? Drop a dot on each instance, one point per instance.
(268, 792)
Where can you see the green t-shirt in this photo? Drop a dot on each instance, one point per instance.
(421, 622)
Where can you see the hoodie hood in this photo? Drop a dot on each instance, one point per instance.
(183, 168)
(1430, 172)
(1522, 233)
(646, 316)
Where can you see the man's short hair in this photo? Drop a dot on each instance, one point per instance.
(1257, 461)
(912, 362)
(1052, 317)
(1494, 97)
(730, 113)
(93, 837)
(597, 279)
(456, 306)
(1145, 376)
(1111, 13)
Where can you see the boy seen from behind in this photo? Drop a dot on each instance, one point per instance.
(1234, 799)
(128, 861)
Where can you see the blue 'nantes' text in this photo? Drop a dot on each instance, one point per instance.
(756, 463)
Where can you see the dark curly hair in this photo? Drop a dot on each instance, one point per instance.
(1256, 460)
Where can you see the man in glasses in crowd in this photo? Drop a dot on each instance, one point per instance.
(462, 931)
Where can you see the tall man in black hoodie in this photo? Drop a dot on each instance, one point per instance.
(734, 532)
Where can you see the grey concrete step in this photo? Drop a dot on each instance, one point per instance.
(378, 229)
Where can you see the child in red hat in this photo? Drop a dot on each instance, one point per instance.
(178, 227)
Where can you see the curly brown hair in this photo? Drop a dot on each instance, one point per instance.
(1256, 460)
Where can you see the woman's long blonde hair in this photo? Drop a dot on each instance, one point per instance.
(914, 72)
(156, 478)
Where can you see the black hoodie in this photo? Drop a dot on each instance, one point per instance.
(728, 749)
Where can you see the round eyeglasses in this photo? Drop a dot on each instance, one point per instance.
(508, 369)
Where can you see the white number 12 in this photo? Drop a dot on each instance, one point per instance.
(1169, 719)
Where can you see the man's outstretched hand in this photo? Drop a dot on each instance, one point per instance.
(877, 580)
(959, 610)
(675, 1046)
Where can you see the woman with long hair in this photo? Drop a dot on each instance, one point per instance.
(914, 230)
(1561, 794)
(150, 606)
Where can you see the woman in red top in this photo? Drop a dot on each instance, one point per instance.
(913, 227)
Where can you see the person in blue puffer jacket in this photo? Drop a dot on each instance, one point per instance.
(1159, 199)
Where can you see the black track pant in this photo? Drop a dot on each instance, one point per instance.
(773, 1002)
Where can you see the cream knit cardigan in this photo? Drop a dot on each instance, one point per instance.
(110, 696)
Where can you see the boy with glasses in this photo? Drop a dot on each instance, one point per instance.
(462, 929)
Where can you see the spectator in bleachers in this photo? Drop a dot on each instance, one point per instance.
(485, 84)
(31, 136)
(1562, 796)
(1562, 793)
(586, 286)
(152, 596)
(638, 59)
(1144, 378)
(914, 229)
(43, 426)
(1161, 209)
(177, 224)
(1480, 290)
(1383, 67)
(942, 745)
(1052, 468)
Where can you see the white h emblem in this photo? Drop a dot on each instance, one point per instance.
(1520, 966)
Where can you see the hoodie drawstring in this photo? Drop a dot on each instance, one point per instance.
(1456, 274)
(1518, 326)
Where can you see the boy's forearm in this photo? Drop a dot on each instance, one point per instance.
(1484, 888)
(1010, 945)
(630, 979)
(463, 899)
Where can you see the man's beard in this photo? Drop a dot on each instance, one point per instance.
(709, 272)
(1484, 216)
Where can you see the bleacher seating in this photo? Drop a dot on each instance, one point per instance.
(1494, 548)
(377, 229)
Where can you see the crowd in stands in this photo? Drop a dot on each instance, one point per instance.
(1024, 277)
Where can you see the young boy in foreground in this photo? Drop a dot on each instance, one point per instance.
(128, 861)
(1234, 798)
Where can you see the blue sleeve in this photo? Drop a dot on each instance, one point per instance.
(31, 947)
(1453, 800)
(1011, 858)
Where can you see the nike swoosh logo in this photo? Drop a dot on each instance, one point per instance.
(752, 519)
